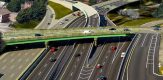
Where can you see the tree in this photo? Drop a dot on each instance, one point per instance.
(23, 16)
(158, 12)
(14, 6)
(36, 12)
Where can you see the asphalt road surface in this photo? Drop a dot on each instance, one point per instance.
(79, 22)
(45, 68)
(142, 59)
(74, 66)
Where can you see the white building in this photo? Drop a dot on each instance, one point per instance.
(2, 4)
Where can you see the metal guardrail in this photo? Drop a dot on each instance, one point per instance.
(33, 66)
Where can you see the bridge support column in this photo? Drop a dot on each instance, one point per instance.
(46, 44)
(95, 41)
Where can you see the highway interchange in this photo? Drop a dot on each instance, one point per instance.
(78, 59)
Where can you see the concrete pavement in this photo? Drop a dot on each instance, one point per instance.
(15, 62)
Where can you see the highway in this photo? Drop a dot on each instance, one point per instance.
(45, 67)
(73, 67)
(142, 60)
(79, 22)
(110, 61)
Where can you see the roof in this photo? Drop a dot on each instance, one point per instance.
(4, 11)
(2, 3)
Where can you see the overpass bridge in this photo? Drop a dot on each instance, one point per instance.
(33, 36)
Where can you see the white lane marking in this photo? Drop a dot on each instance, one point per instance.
(85, 60)
(103, 63)
(117, 51)
(144, 40)
(154, 57)
(87, 70)
(97, 60)
(54, 63)
(149, 51)
(135, 43)
(71, 73)
(45, 65)
(85, 74)
(131, 54)
(70, 62)
(39, 73)
(106, 57)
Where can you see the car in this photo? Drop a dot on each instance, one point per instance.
(156, 28)
(101, 77)
(52, 49)
(126, 29)
(66, 19)
(77, 55)
(61, 23)
(73, 14)
(123, 54)
(48, 23)
(52, 58)
(112, 29)
(113, 48)
(87, 31)
(98, 66)
(38, 34)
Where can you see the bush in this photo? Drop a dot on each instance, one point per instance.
(14, 6)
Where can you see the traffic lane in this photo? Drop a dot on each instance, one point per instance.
(153, 67)
(44, 66)
(14, 62)
(106, 61)
(78, 22)
(76, 64)
(57, 69)
(93, 21)
(47, 19)
(137, 66)
(96, 72)
(115, 66)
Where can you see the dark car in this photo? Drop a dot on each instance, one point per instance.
(37, 34)
(101, 77)
(126, 29)
(112, 29)
(156, 28)
(52, 58)
(77, 55)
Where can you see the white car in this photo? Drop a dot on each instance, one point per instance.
(87, 31)
(123, 54)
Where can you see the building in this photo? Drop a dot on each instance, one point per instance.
(2, 4)
(27, 4)
(4, 15)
